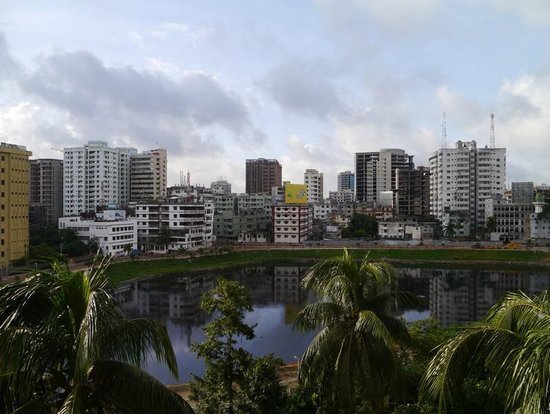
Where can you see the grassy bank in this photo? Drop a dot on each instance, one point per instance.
(120, 272)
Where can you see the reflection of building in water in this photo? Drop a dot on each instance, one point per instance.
(460, 296)
(539, 282)
(414, 280)
(176, 300)
(286, 285)
(259, 280)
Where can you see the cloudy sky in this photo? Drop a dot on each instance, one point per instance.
(309, 82)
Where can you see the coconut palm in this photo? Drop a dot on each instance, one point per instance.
(354, 354)
(510, 346)
(66, 347)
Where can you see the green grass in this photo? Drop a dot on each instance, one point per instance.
(120, 272)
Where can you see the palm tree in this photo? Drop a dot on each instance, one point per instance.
(66, 347)
(354, 354)
(510, 346)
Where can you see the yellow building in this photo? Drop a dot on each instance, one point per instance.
(14, 202)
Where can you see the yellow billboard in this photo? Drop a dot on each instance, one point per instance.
(295, 193)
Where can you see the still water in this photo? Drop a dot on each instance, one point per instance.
(454, 296)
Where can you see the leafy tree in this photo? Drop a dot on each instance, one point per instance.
(450, 229)
(66, 347)
(354, 355)
(233, 382)
(361, 225)
(164, 236)
(509, 347)
(491, 225)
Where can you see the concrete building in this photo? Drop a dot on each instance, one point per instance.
(175, 225)
(148, 175)
(538, 226)
(345, 181)
(14, 202)
(242, 216)
(405, 230)
(375, 172)
(262, 174)
(313, 180)
(220, 187)
(341, 197)
(462, 178)
(523, 192)
(111, 230)
(412, 192)
(46, 192)
(510, 219)
(292, 223)
(95, 175)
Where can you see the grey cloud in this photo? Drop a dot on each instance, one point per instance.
(303, 88)
(81, 83)
(9, 69)
(191, 115)
(517, 106)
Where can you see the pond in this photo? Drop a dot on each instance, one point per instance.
(455, 296)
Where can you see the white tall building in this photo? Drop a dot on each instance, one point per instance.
(95, 175)
(462, 178)
(148, 172)
(313, 180)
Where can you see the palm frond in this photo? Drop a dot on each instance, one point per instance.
(127, 387)
(318, 314)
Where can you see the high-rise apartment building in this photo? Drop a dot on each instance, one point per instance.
(345, 181)
(462, 178)
(412, 192)
(14, 202)
(95, 175)
(262, 174)
(313, 180)
(375, 172)
(46, 192)
(148, 175)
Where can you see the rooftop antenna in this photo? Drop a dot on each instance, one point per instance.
(444, 131)
(492, 133)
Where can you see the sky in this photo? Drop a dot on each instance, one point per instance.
(308, 82)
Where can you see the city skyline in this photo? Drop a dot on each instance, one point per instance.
(307, 83)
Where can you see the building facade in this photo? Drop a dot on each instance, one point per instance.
(220, 187)
(114, 234)
(345, 181)
(292, 223)
(175, 225)
(523, 192)
(262, 174)
(95, 175)
(14, 202)
(462, 178)
(510, 219)
(412, 192)
(313, 180)
(148, 175)
(375, 172)
(46, 192)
